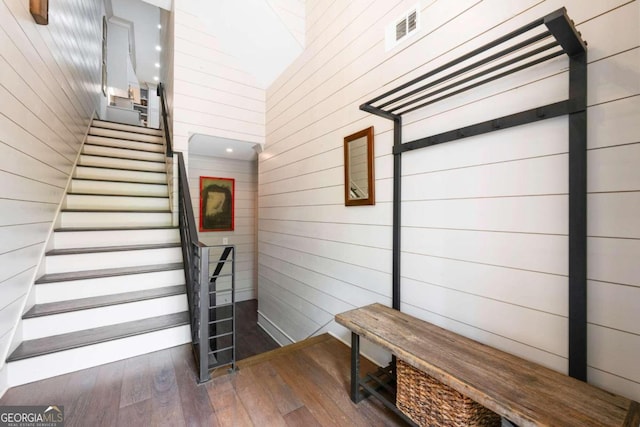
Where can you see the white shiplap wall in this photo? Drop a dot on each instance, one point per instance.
(243, 237)
(212, 95)
(49, 88)
(484, 219)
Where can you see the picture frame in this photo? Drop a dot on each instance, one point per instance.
(217, 204)
(359, 174)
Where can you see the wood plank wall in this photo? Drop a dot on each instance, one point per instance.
(49, 87)
(485, 219)
(245, 174)
(212, 94)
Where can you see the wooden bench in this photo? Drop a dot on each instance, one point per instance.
(521, 391)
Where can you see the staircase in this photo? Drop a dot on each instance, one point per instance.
(114, 285)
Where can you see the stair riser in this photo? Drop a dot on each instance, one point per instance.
(118, 188)
(124, 143)
(97, 150)
(114, 219)
(87, 288)
(126, 128)
(125, 135)
(51, 365)
(56, 324)
(108, 162)
(101, 260)
(123, 203)
(87, 239)
(87, 172)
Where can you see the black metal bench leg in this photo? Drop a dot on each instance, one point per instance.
(355, 367)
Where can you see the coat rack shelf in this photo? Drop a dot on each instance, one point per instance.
(544, 39)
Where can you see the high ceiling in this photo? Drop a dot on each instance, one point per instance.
(145, 19)
(265, 36)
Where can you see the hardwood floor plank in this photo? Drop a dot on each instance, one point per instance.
(323, 409)
(46, 392)
(196, 406)
(251, 339)
(305, 384)
(103, 408)
(285, 399)
(166, 407)
(135, 414)
(301, 417)
(77, 395)
(228, 408)
(332, 389)
(335, 357)
(291, 348)
(136, 381)
(260, 406)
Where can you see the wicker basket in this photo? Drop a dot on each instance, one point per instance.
(428, 402)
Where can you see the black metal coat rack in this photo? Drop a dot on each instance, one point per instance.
(523, 48)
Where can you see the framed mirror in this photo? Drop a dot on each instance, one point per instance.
(358, 169)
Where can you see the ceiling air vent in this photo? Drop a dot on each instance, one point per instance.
(403, 27)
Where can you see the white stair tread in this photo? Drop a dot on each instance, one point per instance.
(113, 219)
(105, 141)
(126, 127)
(106, 272)
(133, 136)
(82, 229)
(94, 287)
(56, 343)
(120, 174)
(104, 187)
(122, 153)
(86, 261)
(66, 306)
(74, 251)
(118, 163)
(114, 202)
(83, 238)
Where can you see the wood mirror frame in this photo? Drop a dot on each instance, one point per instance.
(364, 139)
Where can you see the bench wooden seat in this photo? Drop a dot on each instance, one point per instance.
(521, 391)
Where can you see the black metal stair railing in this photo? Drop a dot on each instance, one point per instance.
(211, 297)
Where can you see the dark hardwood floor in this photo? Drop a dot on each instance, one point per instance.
(250, 338)
(304, 384)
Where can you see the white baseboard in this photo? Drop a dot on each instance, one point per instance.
(245, 294)
(62, 362)
(278, 335)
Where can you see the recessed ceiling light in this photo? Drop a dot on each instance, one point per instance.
(159, 26)
(157, 65)
(158, 48)
(229, 150)
(156, 78)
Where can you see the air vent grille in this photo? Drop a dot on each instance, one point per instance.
(412, 21)
(400, 29)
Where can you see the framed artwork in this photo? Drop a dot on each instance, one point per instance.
(216, 203)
